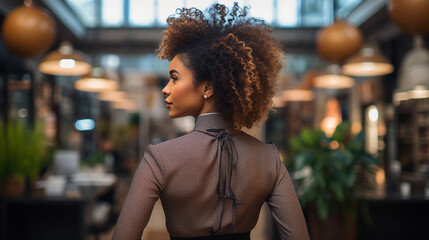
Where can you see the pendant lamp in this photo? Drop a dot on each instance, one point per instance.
(339, 41)
(298, 95)
(96, 81)
(65, 61)
(367, 63)
(335, 44)
(302, 92)
(113, 96)
(333, 79)
(413, 79)
(28, 30)
(411, 16)
(128, 105)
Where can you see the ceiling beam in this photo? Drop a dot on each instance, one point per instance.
(7, 6)
(144, 40)
(364, 11)
(64, 14)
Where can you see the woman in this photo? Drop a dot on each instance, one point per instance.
(213, 181)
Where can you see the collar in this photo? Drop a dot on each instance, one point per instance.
(211, 120)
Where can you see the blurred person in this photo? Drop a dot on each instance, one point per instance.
(213, 181)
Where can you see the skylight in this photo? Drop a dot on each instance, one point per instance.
(153, 13)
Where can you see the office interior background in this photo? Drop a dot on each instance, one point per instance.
(80, 100)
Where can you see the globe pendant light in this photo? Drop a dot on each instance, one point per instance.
(96, 82)
(411, 15)
(339, 41)
(65, 61)
(335, 44)
(367, 63)
(28, 31)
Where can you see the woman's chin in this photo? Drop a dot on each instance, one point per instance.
(172, 114)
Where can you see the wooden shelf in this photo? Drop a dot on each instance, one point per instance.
(412, 127)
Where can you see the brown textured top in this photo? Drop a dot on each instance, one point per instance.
(185, 174)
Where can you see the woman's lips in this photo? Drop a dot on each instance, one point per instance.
(168, 104)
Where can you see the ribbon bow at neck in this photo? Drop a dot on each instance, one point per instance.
(228, 157)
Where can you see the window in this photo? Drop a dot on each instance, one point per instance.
(112, 13)
(154, 13)
(85, 11)
(142, 13)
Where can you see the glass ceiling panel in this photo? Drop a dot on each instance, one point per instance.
(262, 9)
(112, 13)
(316, 13)
(167, 8)
(153, 13)
(344, 7)
(200, 4)
(287, 13)
(85, 11)
(142, 13)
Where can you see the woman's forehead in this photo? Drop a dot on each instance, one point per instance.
(177, 64)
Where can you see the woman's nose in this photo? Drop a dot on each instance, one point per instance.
(166, 90)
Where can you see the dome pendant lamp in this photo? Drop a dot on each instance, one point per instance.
(96, 81)
(65, 61)
(332, 78)
(367, 63)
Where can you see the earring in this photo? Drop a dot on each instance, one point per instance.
(205, 96)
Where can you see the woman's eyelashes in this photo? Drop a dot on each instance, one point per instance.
(174, 78)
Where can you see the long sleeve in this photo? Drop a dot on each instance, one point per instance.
(285, 207)
(144, 191)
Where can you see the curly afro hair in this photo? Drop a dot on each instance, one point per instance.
(234, 52)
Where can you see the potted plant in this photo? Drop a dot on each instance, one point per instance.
(331, 174)
(21, 155)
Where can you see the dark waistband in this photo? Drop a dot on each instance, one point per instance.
(234, 236)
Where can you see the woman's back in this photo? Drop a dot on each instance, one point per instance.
(190, 199)
(185, 172)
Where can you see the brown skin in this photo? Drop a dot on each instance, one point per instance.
(183, 98)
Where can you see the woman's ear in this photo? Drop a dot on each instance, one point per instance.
(208, 88)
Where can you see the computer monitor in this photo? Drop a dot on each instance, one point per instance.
(66, 162)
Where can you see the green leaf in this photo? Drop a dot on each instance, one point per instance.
(322, 208)
(296, 145)
(351, 178)
(309, 138)
(320, 181)
(337, 191)
(344, 157)
(302, 159)
(341, 131)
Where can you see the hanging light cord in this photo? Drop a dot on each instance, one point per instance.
(28, 3)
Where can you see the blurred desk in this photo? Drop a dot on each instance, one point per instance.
(392, 217)
(67, 216)
(395, 217)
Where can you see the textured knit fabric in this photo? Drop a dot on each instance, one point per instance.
(184, 173)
